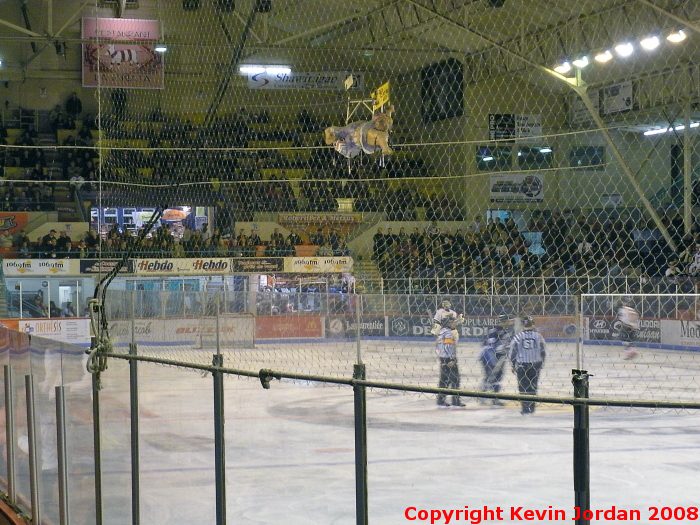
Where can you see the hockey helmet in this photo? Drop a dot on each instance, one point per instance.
(503, 319)
(527, 322)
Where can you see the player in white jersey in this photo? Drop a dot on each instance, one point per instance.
(444, 310)
(446, 349)
(628, 319)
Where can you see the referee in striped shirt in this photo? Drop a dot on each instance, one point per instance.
(527, 354)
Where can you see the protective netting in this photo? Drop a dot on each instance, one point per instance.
(391, 335)
(522, 171)
(529, 151)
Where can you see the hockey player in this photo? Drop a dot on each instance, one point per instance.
(493, 355)
(628, 318)
(527, 354)
(444, 310)
(446, 349)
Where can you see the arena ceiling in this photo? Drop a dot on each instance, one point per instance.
(519, 38)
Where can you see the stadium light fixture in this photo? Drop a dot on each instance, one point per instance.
(624, 50)
(655, 131)
(563, 68)
(676, 36)
(603, 56)
(160, 48)
(650, 43)
(252, 70)
(581, 62)
(659, 131)
(274, 70)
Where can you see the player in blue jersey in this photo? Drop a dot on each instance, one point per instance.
(493, 357)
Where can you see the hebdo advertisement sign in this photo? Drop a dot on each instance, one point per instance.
(328, 80)
(121, 53)
(516, 187)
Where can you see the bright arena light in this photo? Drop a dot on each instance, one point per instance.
(252, 70)
(650, 43)
(603, 56)
(624, 50)
(676, 36)
(581, 62)
(563, 68)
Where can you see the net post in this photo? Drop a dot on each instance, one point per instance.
(62, 456)
(135, 448)
(218, 314)
(582, 468)
(358, 330)
(578, 321)
(219, 445)
(34, 455)
(360, 409)
(10, 438)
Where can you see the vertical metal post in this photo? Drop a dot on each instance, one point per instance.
(34, 469)
(687, 172)
(358, 324)
(10, 438)
(578, 321)
(360, 395)
(21, 300)
(582, 468)
(219, 448)
(218, 312)
(135, 448)
(62, 453)
(97, 447)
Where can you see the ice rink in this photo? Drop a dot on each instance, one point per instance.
(290, 449)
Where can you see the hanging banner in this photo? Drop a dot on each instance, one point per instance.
(528, 128)
(579, 113)
(618, 98)
(13, 222)
(308, 224)
(380, 96)
(516, 187)
(122, 54)
(501, 126)
(327, 80)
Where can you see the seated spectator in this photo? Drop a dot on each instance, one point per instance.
(55, 117)
(5, 240)
(69, 310)
(39, 308)
(24, 250)
(63, 244)
(324, 250)
(54, 311)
